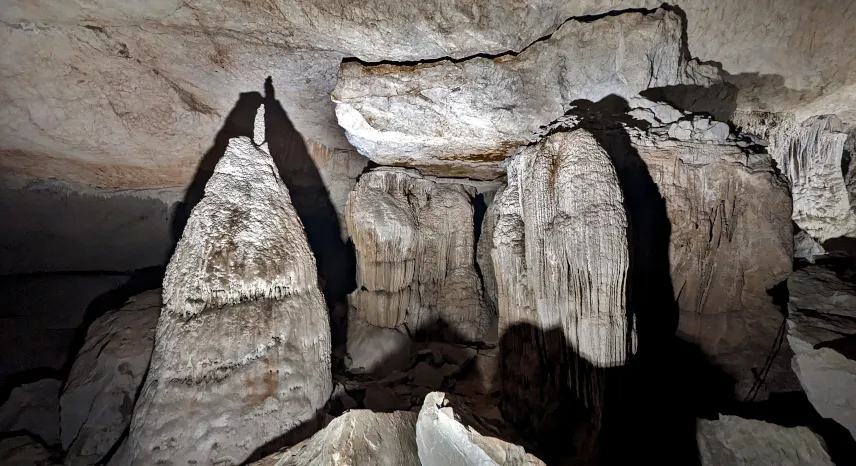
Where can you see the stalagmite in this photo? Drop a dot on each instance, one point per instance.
(242, 352)
(561, 261)
(414, 241)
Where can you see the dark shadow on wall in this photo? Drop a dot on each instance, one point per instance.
(336, 261)
(309, 196)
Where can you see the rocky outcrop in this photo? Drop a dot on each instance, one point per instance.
(242, 353)
(822, 331)
(463, 118)
(99, 396)
(415, 247)
(734, 440)
(448, 434)
(712, 233)
(561, 258)
(33, 408)
(810, 154)
(357, 437)
(23, 450)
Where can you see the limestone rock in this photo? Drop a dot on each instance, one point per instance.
(699, 213)
(357, 437)
(810, 154)
(805, 247)
(822, 320)
(447, 434)
(23, 451)
(375, 350)
(463, 118)
(560, 246)
(34, 408)
(98, 399)
(242, 352)
(561, 258)
(415, 249)
(383, 399)
(732, 440)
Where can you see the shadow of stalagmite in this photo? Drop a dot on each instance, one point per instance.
(309, 196)
(336, 261)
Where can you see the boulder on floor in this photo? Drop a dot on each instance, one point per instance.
(822, 333)
(33, 408)
(99, 396)
(358, 437)
(732, 440)
(447, 433)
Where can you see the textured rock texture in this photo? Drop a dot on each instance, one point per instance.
(415, 247)
(33, 408)
(99, 396)
(561, 258)
(446, 434)
(154, 82)
(805, 247)
(374, 349)
(810, 154)
(22, 450)
(731, 440)
(712, 232)
(357, 437)
(821, 331)
(463, 118)
(242, 353)
(560, 246)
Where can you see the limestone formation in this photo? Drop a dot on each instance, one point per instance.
(22, 450)
(462, 118)
(810, 154)
(805, 247)
(414, 241)
(242, 353)
(357, 437)
(98, 398)
(560, 254)
(560, 247)
(33, 408)
(374, 349)
(821, 322)
(447, 434)
(732, 440)
(712, 234)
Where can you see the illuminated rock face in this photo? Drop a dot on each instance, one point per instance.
(463, 118)
(415, 246)
(560, 256)
(242, 351)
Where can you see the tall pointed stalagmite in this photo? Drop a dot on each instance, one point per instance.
(242, 352)
(561, 261)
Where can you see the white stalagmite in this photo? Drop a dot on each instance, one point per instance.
(244, 240)
(809, 153)
(560, 247)
(414, 241)
(242, 353)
